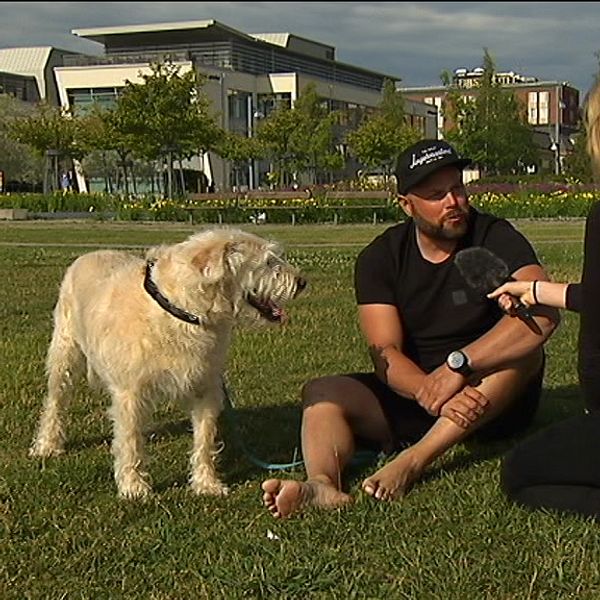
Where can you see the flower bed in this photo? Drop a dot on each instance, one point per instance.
(520, 202)
(533, 204)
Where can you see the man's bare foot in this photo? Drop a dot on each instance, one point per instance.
(283, 497)
(393, 480)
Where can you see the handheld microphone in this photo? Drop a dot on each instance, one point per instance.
(484, 272)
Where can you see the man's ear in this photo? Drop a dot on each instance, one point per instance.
(405, 204)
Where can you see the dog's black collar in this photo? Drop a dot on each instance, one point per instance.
(153, 291)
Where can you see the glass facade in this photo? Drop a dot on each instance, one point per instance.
(221, 48)
(238, 55)
(82, 99)
(21, 87)
(238, 111)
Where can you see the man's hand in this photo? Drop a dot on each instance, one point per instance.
(438, 387)
(466, 407)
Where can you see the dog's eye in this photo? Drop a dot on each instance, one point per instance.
(273, 262)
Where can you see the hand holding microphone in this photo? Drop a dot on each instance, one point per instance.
(485, 273)
(512, 292)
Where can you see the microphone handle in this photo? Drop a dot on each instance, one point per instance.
(524, 313)
(522, 310)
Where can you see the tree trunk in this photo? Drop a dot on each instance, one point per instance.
(56, 185)
(133, 180)
(182, 178)
(126, 178)
(46, 174)
(170, 175)
(107, 186)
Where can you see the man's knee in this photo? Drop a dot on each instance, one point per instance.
(514, 396)
(321, 389)
(533, 363)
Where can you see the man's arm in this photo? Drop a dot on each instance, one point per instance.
(382, 328)
(511, 339)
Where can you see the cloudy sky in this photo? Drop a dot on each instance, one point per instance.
(412, 40)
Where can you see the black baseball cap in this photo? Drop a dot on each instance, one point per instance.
(424, 158)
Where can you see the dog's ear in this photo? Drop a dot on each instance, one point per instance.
(210, 260)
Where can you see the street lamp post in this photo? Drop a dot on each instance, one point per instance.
(555, 147)
(253, 116)
(557, 129)
(250, 125)
(168, 151)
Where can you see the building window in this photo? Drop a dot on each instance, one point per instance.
(237, 110)
(532, 108)
(83, 99)
(270, 102)
(417, 122)
(544, 101)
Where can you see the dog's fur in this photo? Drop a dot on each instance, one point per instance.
(105, 319)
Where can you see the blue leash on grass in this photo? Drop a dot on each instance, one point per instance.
(361, 457)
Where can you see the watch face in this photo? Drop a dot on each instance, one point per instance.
(456, 360)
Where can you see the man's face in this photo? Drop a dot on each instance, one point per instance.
(439, 204)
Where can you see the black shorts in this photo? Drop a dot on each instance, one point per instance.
(409, 422)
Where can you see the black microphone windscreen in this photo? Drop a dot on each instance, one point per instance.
(482, 269)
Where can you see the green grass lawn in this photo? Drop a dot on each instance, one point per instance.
(65, 534)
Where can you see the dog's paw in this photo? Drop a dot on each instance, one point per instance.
(41, 450)
(134, 487)
(209, 488)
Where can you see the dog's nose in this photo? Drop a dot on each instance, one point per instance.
(301, 283)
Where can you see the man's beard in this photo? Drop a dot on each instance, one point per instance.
(438, 231)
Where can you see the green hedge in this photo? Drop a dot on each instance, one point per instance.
(59, 202)
(518, 204)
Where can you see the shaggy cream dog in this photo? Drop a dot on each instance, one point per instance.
(160, 327)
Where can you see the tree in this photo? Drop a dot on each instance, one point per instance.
(17, 160)
(385, 134)
(315, 137)
(52, 132)
(276, 134)
(491, 126)
(105, 148)
(577, 164)
(239, 150)
(166, 116)
(302, 138)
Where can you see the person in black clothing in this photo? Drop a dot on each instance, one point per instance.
(447, 363)
(558, 467)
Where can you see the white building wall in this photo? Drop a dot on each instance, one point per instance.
(216, 87)
(99, 76)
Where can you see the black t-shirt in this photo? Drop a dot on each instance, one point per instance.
(438, 310)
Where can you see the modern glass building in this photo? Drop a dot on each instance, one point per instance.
(247, 75)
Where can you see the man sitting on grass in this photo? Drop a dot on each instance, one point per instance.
(447, 362)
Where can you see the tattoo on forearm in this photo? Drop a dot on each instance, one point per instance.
(380, 362)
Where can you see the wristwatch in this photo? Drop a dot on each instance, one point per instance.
(458, 362)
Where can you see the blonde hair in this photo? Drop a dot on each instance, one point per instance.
(592, 125)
